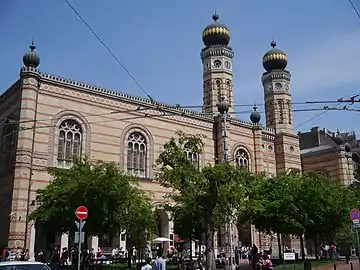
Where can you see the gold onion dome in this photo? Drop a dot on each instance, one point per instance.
(274, 59)
(216, 33)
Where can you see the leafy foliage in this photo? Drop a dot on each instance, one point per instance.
(114, 201)
(208, 196)
(295, 203)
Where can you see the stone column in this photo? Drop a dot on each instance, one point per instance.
(32, 251)
(64, 241)
(93, 242)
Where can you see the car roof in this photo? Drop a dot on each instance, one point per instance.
(20, 263)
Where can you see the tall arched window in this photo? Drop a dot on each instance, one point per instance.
(137, 153)
(69, 143)
(228, 90)
(241, 158)
(281, 111)
(218, 88)
(270, 112)
(193, 157)
(9, 137)
(289, 111)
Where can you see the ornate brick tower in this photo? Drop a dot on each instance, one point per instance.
(19, 233)
(217, 67)
(276, 82)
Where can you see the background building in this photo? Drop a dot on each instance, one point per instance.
(47, 120)
(331, 153)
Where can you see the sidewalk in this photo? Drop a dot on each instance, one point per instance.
(339, 266)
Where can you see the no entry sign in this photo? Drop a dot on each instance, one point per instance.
(81, 212)
(354, 214)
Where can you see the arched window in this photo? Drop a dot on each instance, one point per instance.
(9, 137)
(289, 112)
(136, 155)
(193, 158)
(228, 91)
(241, 158)
(218, 88)
(281, 111)
(270, 112)
(69, 142)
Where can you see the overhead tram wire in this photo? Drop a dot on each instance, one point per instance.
(108, 49)
(168, 111)
(354, 8)
(325, 109)
(352, 99)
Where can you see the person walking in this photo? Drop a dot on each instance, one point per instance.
(160, 263)
(147, 265)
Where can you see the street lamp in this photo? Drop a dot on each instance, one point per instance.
(223, 109)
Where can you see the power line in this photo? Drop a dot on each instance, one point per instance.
(108, 49)
(354, 8)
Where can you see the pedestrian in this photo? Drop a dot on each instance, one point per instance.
(160, 263)
(147, 265)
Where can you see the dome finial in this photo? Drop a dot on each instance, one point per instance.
(215, 16)
(32, 46)
(31, 58)
(255, 116)
(273, 43)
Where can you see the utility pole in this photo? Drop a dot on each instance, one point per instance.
(223, 108)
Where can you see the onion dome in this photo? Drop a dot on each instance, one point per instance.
(31, 58)
(347, 147)
(339, 140)
(274, 59)
(223, 106)
(216, 33)
(255, 116)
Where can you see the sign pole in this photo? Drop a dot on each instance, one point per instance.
(358, 243)
(79, 247)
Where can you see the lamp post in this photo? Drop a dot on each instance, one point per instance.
(223, 108)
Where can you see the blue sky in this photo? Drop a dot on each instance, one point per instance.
(160, 42)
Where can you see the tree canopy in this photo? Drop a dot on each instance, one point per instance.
(212, 194)
(295, 203)
(113, 199)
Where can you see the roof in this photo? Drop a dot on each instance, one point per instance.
(316, 149)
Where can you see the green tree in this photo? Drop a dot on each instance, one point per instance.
(103, 189)
(271, 205)
(216, 191)
(323, 206)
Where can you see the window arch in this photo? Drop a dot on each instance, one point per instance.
(270, 112)
(70, 140)
(281, 111)
(137, 154)
(9, 141)
(228, 90)
(194, 158)
(218, 88)
(242, 159)
(289, 112)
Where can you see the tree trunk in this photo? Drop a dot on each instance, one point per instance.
(279, 245)
(316, 248)
(129, 248)
(190, 238)
(302, 248)
(209, 237)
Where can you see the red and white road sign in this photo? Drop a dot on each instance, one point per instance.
(81, 212)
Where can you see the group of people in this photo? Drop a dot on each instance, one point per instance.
(18, 254)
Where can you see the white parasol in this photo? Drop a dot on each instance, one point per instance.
(161, 240)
